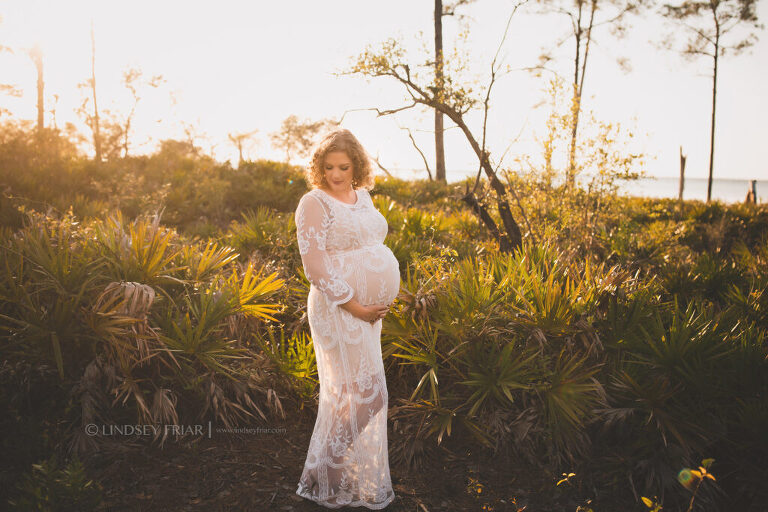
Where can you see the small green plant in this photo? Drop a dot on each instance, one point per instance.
(566, 478)
(692, 479)
(50, 488)
(652, 504)
(689, 478)
(294, 356)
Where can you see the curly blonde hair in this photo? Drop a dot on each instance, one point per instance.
(341, 140)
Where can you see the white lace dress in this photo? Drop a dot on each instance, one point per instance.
(343, 256)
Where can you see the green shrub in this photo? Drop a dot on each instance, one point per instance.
(50, 487)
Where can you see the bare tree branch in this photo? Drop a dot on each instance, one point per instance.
(454, 102)
(424, 158)
(376, 159)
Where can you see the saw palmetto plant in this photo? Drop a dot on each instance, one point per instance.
(626, 343)
(137, 322)
(294, 356)
(204, 262)
(264, 230)
(141, 251)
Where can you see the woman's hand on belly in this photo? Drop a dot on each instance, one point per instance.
(369, 313)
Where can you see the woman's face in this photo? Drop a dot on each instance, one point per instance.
(338, 171)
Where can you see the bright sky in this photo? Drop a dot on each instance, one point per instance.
(237, 66)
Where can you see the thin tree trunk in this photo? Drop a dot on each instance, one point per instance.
(569, 179)
(96, 131)
(682, 183)
(578, 88)
(682, 175)
(712, 131)
(439, 144)
(126, 130)
(127, 127)
(38, 58)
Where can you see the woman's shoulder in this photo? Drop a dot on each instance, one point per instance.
(311, 193)
(324, 199)
(364, 193)
(314, 197)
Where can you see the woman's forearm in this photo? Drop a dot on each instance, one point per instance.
(352, 305)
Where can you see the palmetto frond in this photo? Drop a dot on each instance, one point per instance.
(251, 287)
(499, 374)
(141, 251)
(197, 338)
(570, 393)
(203, 263)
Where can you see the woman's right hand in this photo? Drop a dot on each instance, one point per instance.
(373, 312)
(369, 313)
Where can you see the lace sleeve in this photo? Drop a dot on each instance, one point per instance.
(311, 230)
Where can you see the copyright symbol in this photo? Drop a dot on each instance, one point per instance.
(91, 429)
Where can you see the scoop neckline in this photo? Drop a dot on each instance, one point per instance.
(356, 203)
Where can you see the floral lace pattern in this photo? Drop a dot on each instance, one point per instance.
(344, 256)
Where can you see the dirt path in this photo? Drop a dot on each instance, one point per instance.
(260, 472)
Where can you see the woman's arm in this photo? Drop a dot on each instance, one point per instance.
(312, 223)
(311, 232)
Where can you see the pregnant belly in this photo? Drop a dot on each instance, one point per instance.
(374, 273)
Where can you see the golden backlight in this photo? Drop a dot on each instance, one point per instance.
(234, 67)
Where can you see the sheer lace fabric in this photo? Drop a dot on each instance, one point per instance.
(343, 256)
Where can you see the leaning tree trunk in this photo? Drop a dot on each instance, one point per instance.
(512, 238)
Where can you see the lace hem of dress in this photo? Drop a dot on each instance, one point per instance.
(305, 493)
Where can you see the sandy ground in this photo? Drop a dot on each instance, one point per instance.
(260, 472)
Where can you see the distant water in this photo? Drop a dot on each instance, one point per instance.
(726, 190)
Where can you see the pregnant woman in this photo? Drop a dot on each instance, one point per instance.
(353, 279)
